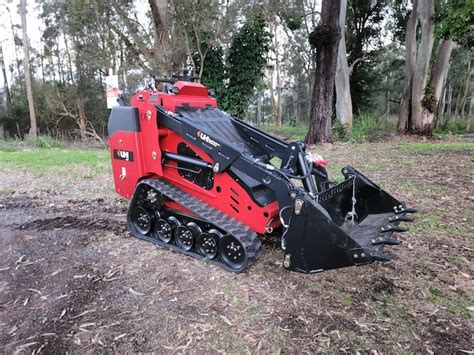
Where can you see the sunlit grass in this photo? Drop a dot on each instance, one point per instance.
(44, 159)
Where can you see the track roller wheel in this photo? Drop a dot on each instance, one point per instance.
(207, 243)
(185, 235)
(142, 220)
(232, 252)
(164, 228)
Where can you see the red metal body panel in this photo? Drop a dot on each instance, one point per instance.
(126, 173)
(226, 195)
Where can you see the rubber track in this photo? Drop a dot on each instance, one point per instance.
(247, 237)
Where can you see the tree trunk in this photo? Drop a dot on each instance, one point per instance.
(8, 98)
(343, 92)
(449, 106)
(258, 110)
(69, 61)
(471, 113)
(420, 123)
(17, 58)
(26, 64)
(296, 105)
(161, 36)
(410, 60)
(276, 101)
(81, 119)
(463, 94)
(325, 38)
(430, 103)
(442, 104)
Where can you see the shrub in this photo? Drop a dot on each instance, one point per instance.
(42, 141)
(366, 128)
(455, 125)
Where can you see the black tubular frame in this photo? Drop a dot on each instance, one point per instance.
(293, 155)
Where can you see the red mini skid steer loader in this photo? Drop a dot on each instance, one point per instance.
(209, 185)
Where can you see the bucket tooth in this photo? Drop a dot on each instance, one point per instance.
(386, 241)
(398, 218)
(381, 257)
(392, 228)
(405, 210)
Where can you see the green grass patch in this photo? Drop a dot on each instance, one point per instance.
(346, 302)
(455, 303)
(42, 142)
(44, 159)
(293, 133)
(365, 128)
(427, 146)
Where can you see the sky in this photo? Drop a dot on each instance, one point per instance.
(6, 36)
(34, 28)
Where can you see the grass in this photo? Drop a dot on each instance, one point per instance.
(454, 302)
(44, 159)
(366, 128)
(427, 146)
(294, 133)
(42, 142)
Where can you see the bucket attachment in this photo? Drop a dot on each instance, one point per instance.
(348, 224)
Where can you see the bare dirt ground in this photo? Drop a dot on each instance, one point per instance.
(72, 279)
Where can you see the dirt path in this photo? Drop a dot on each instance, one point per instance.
(72, 278)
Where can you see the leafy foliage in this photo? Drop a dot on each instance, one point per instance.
(247, 59)
(214, 73)
(364, 23)
(455, 24)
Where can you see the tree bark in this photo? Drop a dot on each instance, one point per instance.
(343, 92)
(410, 60)
(430, 103)
(471, 113)
(449, 106)
(17, 58)
(258, 110)
(460, 103)
(8, 98)
(420, 124)
(26, 64)
(296, 105)
(325, 38)
(276, 99)
(160, 20)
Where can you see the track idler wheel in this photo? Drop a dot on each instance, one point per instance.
(207, 243)
(232, 252)
(185, 235)
(142, 220)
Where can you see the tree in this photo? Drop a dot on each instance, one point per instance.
(26, 64)
(404, 117)
(343, 90)
(197, 29)
(157, 58)
(426, 13)
(8, 99)
(275, 92)
(246, 62)
(325, 39)
(364, 45)
(427, 85)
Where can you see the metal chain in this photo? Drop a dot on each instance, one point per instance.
(354, 201)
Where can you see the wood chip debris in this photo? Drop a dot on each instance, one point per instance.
(133, 292)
